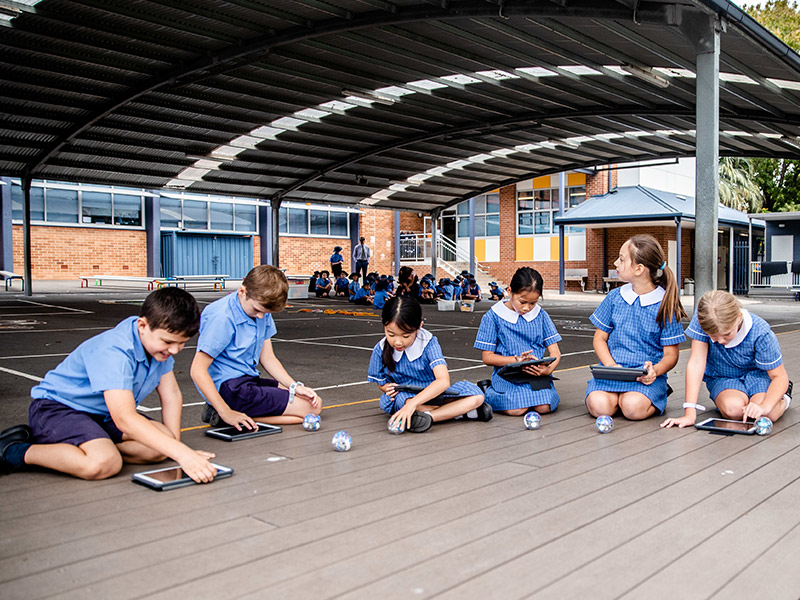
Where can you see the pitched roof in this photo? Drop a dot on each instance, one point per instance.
(638, 203)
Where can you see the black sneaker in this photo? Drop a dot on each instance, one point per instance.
(788, 395)
(484, 384)
(420, 422)
(210, 416)
(13, 435)
(485, 412)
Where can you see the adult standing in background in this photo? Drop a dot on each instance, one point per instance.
(361, 256)
(336, 262)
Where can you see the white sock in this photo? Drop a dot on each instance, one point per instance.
(473, 414)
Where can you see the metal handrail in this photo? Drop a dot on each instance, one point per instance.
(779, 280)
(417, 247)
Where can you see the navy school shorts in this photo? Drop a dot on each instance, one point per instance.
(56, 423)
(254, 396)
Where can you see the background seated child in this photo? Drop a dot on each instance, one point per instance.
(427, 295)
(354, 285)
(381, 295)
(312, 282)
(473, 290)
(83, 416)
(342, 285)
(323, 286)
(410, 355)
(638, 325)
(234, 339)
(513, 331)
(739, 358)
(363, 295)
(495, 293)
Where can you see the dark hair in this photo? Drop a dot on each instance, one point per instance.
(172, 309)
(646, 251)
(381, 285)
(406, 313)
(526, 279)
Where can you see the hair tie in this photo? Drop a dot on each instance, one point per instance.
(663, 265)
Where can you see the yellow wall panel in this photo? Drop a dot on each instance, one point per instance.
(554, 248)
(480, 250)
(524, 248)
(576, 179)
(541, 182)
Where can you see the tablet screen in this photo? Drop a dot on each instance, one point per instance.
(167, 475)
(233, 432)
(732, 425)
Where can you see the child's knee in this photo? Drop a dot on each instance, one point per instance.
(636, 409)
(100, 467)
(600, 404)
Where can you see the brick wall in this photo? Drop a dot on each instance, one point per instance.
(67, 252)
(597, 185)
(304, 255)
(378, 227)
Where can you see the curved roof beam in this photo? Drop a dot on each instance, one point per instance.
(235, 56)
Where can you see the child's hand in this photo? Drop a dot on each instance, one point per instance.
(651, 374)
(238, 420)
(308, 394)
(527, 355)
(753, 411)
(681, 422)
(538, 370)
(403, 416)
(195, 464)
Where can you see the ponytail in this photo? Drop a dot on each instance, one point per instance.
(646, 251)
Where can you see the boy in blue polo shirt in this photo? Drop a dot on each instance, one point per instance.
(235, 334)
(83, 416)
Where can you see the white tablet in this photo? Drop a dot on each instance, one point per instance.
(173, 477)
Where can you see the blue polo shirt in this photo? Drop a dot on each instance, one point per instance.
(113, 360)
(233, 339)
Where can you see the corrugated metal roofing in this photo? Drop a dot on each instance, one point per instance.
(639, 203)
(396, 103)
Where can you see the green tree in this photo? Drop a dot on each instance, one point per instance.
(738, 184)
(778, 178)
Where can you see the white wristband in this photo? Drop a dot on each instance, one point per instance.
(293, 390)
(693, 405)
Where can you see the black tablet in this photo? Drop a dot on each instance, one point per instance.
(727, 426)
(173, 477)
(416, 389)
(617, 373)
(514, 372)
(231, 434)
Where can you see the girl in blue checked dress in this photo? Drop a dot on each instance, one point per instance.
(739, 358)
(411, 355)
(638, 325)
(516, 330)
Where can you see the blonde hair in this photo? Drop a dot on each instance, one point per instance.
(718, 312)
(268, 286)
(646, 251)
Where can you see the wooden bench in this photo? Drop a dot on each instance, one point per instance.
(99, 279)
(218, 281)
(579, 275)
(9, 278)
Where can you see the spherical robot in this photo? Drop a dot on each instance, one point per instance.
(311, 422)
(342, 441)
(396, 427)
(764, 426)
(532, 420)
(604, 423)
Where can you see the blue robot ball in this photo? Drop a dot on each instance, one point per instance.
(532, 420)
(311, 422)
(604, 423)
(396, 428)
(764, 426)
(342, 441)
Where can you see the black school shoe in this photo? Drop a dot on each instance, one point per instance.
(210, 416)
(13, 435)
(788, 395)
(485, 412)
(420, 422)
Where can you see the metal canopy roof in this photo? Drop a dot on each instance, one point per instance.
(400, 104)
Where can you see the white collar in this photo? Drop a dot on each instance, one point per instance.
(415, 350)
(654, 297)
(513, 316)
(747, 325)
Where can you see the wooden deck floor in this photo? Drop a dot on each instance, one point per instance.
(468, 510)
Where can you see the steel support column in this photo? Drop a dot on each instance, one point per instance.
(471, 235)
(396, 242)
(275, 205)
(434, 240)
(562, 190)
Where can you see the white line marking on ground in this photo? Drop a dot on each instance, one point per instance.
(21, 374)
(29, 314)
(146, 409)
(67, 308)
(22, 356)
(53, 330)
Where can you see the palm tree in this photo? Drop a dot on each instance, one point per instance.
(737, 184)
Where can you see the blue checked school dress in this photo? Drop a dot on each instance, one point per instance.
(742, 363)
(635, 336)
(413, 366)
(506, 332)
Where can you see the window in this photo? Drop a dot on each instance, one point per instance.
(221, 216)
(487, 216)
(536, 209)
(318, 222)
(245, 217)
(170, 213)
(64, 203)
(195, 214)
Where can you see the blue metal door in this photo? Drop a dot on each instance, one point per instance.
(740, 267)
(198, 254)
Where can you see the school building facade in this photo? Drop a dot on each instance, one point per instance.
(82, 230)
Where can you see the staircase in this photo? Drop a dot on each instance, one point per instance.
(415, 250)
